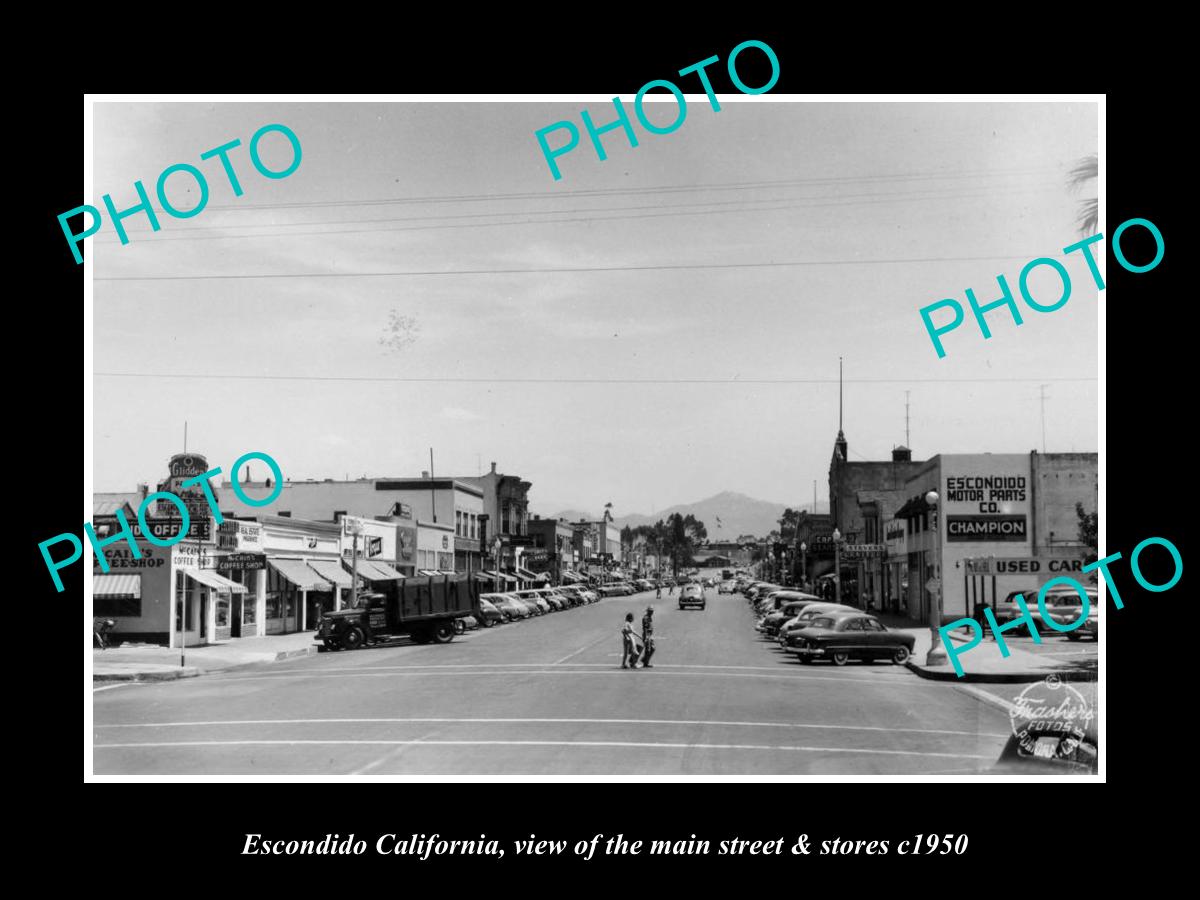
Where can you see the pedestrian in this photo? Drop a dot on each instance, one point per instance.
(648, 637)
(629, 657)
(658, 592)
(100, 630)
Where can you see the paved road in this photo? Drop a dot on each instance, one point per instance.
(547, 697)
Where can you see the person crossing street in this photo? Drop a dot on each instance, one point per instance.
(648, 637)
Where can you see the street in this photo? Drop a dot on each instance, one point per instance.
(547, 696)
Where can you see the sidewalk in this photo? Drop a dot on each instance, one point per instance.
(145, 663)
(982, 663)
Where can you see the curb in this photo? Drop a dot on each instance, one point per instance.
(989, 698)
(291, 654)
(169, 675)
(1015, 677)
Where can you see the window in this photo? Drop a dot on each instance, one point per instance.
(458, 523)
(222, 611)
(180, 599)
(109, 607)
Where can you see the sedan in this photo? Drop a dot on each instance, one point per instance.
(805, 617)
(851, 635)
(537, 600)
(489, 613)
(1063, 606)
(510, 607)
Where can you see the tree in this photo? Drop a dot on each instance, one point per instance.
(1089, 524)
(788, 523)
(1086, 170)
(680, 537)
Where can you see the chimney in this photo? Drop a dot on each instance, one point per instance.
(143, 490)
(246, 480)
(493, 468)
(901, 454)
(424, 474)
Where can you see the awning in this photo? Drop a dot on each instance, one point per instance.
(295, 571)
(124, 586)
(527, 575)
(428, 573)
(331, 571)
(213, 580)
(506, 578)
(377, 571)
(483, 576)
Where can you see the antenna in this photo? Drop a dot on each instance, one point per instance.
(185, 436)
(907, 440)
(1043, 387)
(839, 394)
(432, 490)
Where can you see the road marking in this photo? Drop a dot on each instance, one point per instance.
(406, 672)
(541, 721)
(594, 643)
(109, 687)
(901, 671)
(631, 744)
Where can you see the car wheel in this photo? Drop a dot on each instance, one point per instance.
(460, 626)
(839, 657)
(443, 632)
(331, 644)
(488, 621)
(352, 638)
(900, 655)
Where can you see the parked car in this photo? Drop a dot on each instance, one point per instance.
(804, 618)
(573, 595)
(510, 607)
(557, 601)
(539, 602)
(1062, 605)
(851, 635)
(692, 595)
(611, 590)
(644, 584)
(787, 611)
(489, 612)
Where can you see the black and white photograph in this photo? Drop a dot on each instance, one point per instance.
(677, 436)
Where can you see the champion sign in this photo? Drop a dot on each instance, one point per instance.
(986, 528)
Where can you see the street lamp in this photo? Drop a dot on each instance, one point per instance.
(937, 656)
(837, 566)
(804, 563)
(355, 528)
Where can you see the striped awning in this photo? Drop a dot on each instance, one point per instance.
(295, 571)
(331, 571)
(506, 578)
(123, 586)
(213, 580)
(527, 575)
(377, 571)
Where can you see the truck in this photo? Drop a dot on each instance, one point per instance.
(424, 608)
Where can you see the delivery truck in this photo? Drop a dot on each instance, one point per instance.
(422, 607)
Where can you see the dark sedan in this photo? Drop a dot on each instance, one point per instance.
(852, 635)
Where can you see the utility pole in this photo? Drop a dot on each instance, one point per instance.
(432, 490)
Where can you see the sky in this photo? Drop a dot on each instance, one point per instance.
(822, 229)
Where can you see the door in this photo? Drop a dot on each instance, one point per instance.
(235, 616)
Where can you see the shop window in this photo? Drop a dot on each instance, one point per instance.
(110, 607)
(249, 609)
(222, 611)
(274, 605)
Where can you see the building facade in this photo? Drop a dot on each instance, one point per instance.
(1003, 522)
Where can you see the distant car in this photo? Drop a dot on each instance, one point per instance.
(611, 590)
(464, 624)
(573, 594)
(787, 611)
(692, 595)
(725, 587)
(850, 636)
(557, 601)
(644, 584)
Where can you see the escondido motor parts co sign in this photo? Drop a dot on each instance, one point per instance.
(999, 505)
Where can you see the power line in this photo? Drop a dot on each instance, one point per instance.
(466, 380)
(740, 207)
(662, 189)
(571, 269)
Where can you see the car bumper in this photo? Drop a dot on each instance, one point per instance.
(807, 651)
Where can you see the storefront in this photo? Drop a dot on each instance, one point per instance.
(304, 573)
(993, 530)
(435, 546)
(370, 547)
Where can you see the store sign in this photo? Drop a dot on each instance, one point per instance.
(406, 543)
(233, 535)
(445, 542)
(241, 562)
(187, 465)
(988, 493)
(1022, 565)
(374, 546)
(161, 528)
(986, 528)
(895, 531)
(855, 551)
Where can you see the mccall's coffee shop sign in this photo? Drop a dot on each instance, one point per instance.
(987, 498)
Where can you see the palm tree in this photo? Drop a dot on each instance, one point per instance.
(1086, 170)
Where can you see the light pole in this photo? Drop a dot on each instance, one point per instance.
(355, 528)
(803, 564)
(937, 656)
(837, 566)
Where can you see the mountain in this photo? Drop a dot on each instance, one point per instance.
(739, 515)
